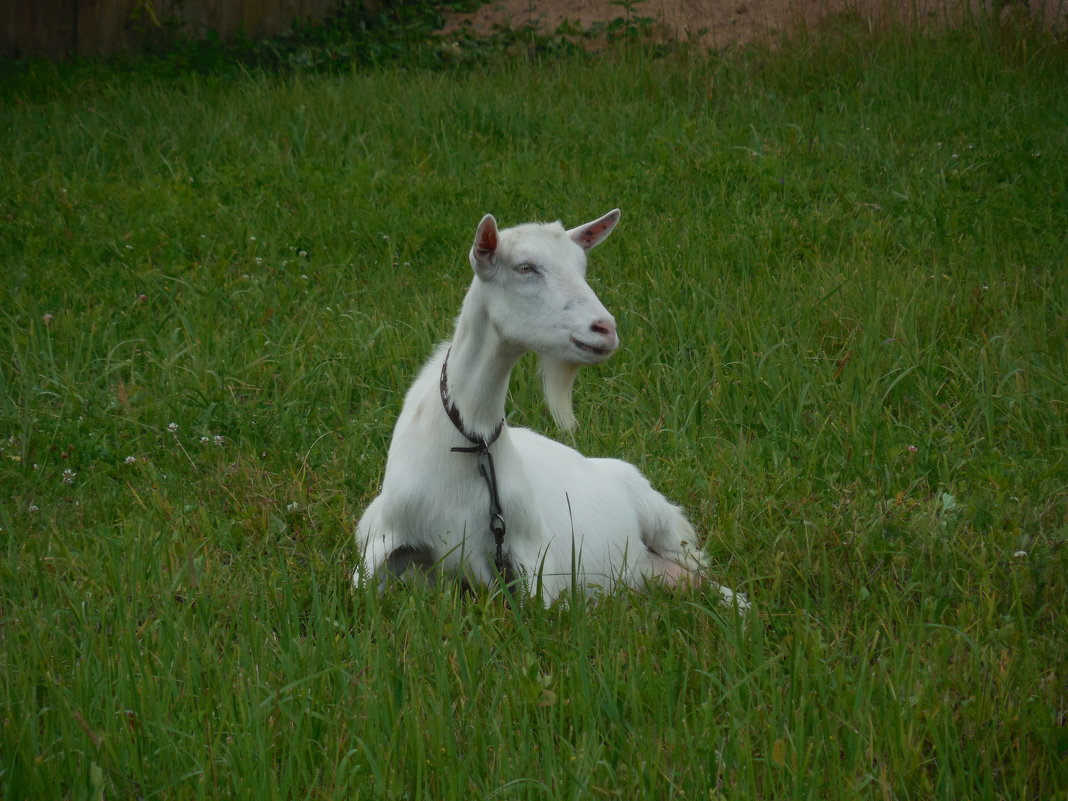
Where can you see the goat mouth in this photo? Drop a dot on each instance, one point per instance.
(588, 348)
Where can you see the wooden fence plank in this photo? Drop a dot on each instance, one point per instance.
(60, 28)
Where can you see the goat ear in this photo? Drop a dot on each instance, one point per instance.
(593, 233)
(485, 246)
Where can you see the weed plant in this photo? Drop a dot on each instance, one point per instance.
(840, 282)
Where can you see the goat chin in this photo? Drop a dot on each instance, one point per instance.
(558, 379)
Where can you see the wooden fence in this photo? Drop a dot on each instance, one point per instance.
(58, 28)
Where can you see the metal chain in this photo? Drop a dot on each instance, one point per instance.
(485, 467)
(497, 526)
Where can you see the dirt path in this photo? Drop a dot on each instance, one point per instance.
(720, 23)
(714, 23)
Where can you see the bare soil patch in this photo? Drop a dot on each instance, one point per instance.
(718, 24)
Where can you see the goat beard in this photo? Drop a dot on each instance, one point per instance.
(558, 379)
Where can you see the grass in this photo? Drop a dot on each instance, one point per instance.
(840, 285)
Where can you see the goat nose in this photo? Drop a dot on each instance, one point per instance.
(605, 327)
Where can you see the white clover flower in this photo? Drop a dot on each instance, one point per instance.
(172, 427)
(219, 441)
(130, 459)
(68, 476)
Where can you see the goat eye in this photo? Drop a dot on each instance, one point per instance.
(526, 268)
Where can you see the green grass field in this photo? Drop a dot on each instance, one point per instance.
(841, 282)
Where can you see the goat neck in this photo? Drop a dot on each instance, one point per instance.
(480, 366)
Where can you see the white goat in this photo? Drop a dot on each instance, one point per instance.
(457, 474)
